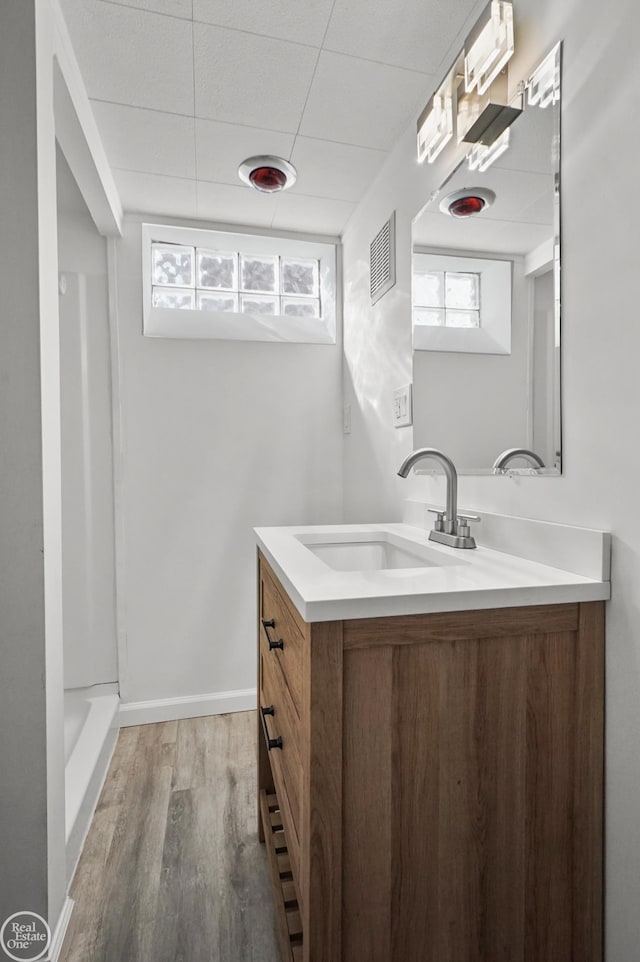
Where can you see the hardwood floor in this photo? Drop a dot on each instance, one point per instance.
(172, 870)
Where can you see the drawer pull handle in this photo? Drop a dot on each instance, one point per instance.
(272, 644)
(271, 742)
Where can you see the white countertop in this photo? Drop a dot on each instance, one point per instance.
(468, 579)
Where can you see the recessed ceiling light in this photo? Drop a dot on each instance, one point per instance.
(467, 202)
(267, 174)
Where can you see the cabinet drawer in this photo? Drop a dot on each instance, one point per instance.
(282, 633)
(282, 723)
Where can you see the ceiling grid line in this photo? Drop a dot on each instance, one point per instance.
(313, 76)
(158, 13)
(379, 63)
(195, 126)
(254, 33)
(218, 183)
(228, 123)
(306, 99)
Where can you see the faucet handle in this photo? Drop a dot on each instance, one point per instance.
(462, 527)
(438, 524)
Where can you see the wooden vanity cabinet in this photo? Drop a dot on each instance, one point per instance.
(438, 792)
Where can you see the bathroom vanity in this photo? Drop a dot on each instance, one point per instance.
(430, 763)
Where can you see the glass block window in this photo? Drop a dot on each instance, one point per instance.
(195, 278)
(172, 265)
(446, 299)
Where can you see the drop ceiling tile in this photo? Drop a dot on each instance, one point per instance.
(221, 148)
(359, 102)
(539, 210)
(515, 190)
(245, 79)
(488, 236)
(156, 194)
(130, 56)
(226, 204)
(147, 140)
(327, 169)
(314, 215)
(302, 20)
(405, 33)
(173, 8)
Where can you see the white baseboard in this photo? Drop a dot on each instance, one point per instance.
(190, 706)
(61, 930)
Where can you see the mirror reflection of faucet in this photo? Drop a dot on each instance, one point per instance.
(450, 528)
(511, 454)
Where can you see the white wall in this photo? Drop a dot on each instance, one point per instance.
(601, 389)
(88, 580)
(31, 746)
(217, 436)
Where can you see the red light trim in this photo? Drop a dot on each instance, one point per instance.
(466, 206)
(268, 179)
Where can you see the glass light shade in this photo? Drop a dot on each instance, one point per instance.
(469, 110)
(435, 125)
(480, 157)
(543, 87)
(490, 49)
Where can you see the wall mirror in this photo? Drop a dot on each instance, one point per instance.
(486, 302)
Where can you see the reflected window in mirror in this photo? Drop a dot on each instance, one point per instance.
(461, 304)
(446, 299)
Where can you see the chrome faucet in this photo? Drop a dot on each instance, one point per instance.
(450, 527)
(511, 454)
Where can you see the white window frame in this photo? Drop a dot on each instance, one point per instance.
(226, 325)
(494, 334)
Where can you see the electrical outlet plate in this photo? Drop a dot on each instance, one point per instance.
(402, 406)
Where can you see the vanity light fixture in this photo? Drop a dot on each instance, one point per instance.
(473, 99)
(435, 123)
(543, 87)
(267, 174)
(483, 119)
(489, 46)
(480, 157)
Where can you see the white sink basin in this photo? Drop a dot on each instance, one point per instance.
(373, 551)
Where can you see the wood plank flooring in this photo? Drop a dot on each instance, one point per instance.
(172, 870)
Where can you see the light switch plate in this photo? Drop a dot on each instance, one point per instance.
(402, 406)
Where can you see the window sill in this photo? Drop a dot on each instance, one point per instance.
(464, 340)
(222, 325)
